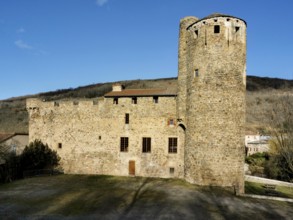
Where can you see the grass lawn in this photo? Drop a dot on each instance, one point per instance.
(109, 197)
(259, 189)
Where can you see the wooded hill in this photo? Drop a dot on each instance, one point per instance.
(262, 95)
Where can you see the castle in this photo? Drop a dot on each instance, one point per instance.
(195, 132)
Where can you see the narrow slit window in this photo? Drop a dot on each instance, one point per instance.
(217, 29)
(59, 145)
(115, 101)
(127, 118)
(196, 73)
(156, 99)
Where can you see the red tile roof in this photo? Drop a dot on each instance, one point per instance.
(141, 92)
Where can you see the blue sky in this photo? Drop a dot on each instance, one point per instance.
(56, 44)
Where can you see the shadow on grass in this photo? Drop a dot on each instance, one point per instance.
(259, 189)
(109, 197)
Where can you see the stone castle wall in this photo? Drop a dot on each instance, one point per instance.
(90, 135)
(209, 110)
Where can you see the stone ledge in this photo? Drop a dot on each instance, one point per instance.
(267, 181)
(267, 197)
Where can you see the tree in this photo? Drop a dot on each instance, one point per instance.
(38, 155)
(9, 165)
(280, 164)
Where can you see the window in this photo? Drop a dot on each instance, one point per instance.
(172, 145)
(115, 101)
(196, 73)
(134, 100)
(217, 29)
(156, 99)
(171, 122)
(146, 145)
(124, 144)
(237, 29)
(196, 33)
(100, 137)
(171, 170)
(59, 145)
(126, 118)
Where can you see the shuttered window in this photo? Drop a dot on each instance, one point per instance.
(172, 146)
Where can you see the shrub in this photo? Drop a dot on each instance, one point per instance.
(38, 155)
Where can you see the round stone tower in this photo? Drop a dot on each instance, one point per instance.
(211, 99)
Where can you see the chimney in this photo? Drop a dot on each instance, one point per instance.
(117, 87)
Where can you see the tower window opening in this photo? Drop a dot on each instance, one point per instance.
(196, 33)
(215, 20)
(196, 73)
(237, 29)
(156, 99)
(59, 145)
(127, 118)
(228, 19)
(115, 101)
(217, 29)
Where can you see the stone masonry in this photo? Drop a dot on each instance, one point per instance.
(193, 132)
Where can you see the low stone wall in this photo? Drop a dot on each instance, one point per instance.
(267, 197)
(267, 181)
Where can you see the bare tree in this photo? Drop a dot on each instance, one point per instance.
(281, 130)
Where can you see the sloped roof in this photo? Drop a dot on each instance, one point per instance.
(4, 137)
(141, 93)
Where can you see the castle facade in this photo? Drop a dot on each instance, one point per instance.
(194, 132)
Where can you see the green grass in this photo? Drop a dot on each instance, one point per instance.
(259, 189)
(111, 197)
(78, 194)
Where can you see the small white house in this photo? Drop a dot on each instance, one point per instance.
(256, 144)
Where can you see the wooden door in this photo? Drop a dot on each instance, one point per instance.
(132, 167)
